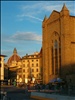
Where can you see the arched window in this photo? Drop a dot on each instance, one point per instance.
(56, 56)
(55, 44)
(52, 61)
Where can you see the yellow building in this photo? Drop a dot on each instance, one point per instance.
(58, 45)
(2, 67)
(30, 68)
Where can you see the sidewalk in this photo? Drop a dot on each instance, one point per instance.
(47, 96)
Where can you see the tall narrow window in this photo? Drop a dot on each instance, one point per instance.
(23, 70)
(23, 76)
(37, 64)
(60, 60)
(36, 70)
(0, 59)
(52, 61)
(56, 57)
(32, 70)
(0, 64)
(56, 62)
(32, 65)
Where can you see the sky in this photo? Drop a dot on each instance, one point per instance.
(21, 24)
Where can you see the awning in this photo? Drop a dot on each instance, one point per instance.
(59, 80)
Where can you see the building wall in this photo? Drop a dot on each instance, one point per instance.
(1, 67)
(58, 44)
(6, 72)
(30, 67)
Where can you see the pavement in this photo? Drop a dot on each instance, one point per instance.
(14, 93)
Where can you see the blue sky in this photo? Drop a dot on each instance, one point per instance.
(21, 24)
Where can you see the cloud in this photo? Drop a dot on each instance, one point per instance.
(30, 16)
(25, 36)
(39, 9)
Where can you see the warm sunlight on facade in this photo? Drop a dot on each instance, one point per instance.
(58, 45)
(2, 67)
(29, 68)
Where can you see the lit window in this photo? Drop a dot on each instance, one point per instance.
(23, 76)
(23, 70)
(36, 70)
(0, 64)
(32, 70)
(32, 60)
(37, 64)
(0, 59)
(19, 71)
(32, 65)
(20, 76)
(32, 55)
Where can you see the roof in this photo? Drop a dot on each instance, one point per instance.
(14, 57)
(3, 55)
(64, 7)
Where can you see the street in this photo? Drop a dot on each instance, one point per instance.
(14, 93)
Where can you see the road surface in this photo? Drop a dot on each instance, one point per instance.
(13, 93)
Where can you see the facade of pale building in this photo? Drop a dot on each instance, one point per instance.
(58, 45)
(30, 68)
(2, 67)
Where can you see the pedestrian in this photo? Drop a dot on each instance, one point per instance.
(14, 83)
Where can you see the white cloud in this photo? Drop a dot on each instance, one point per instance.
(25, 36)
(30, 16)
(39, 9)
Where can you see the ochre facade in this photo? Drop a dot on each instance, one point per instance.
(2, 67)
(25, 69)
(30, 68)
(58, 45)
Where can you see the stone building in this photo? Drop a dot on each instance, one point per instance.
(12, 65)
(6, 72)
(30, 68)
(58, 45)
(12, 61)
(2, 67)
